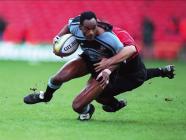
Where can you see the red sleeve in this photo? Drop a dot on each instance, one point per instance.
(125, 38)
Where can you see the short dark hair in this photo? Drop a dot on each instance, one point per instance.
(87, 15)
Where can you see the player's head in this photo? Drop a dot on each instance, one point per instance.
(88, 24)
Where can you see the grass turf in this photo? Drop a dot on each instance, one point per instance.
(147, 117)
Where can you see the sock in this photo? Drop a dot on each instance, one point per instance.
(51, 88)
(49, 93)
(86, 109)
(155, 72)
(41, 95)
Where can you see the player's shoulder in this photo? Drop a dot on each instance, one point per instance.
(124, 36)
(74, 21)
(106, 26)
(110, 39)
(74, 29)
(108, 35)
(118, 31)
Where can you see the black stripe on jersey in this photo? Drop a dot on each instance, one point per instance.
(80, 38)
(106, 45)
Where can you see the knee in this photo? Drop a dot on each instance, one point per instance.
(77, 107)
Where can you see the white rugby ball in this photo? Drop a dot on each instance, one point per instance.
(66, 45)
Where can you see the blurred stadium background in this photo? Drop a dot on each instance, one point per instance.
(159, 26)
(156, 110)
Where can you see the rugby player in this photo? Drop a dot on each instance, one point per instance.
(115, 67)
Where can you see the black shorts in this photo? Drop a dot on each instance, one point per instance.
(128, 76)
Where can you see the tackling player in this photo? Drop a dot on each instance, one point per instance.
(115, 67)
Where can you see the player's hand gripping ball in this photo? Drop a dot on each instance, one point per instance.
(65, 45)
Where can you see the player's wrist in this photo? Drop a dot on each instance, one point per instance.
(55, 39)
(111, 61)
(107, 71)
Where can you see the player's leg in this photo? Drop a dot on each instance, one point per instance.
(110, 103)
(119, 84)
(167, 71)
(137, 64)
(128, 82)
(73, 69)
(81, 103)
(107, 99)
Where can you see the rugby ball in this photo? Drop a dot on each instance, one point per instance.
(66, 45)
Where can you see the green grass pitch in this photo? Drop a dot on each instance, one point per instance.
(147, 117)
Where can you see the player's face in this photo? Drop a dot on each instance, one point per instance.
(89, 28)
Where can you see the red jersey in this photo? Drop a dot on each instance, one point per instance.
(125, 38)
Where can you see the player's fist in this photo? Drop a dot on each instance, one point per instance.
(103, 77)
(56, 39)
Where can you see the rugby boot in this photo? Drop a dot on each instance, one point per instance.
(36, 97)
(168, 71)
(87, 116)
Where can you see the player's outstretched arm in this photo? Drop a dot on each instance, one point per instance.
(125, 53)
(104, 75)
(64, 30)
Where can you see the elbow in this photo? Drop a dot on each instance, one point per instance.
(133, 49)
(130, 50)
